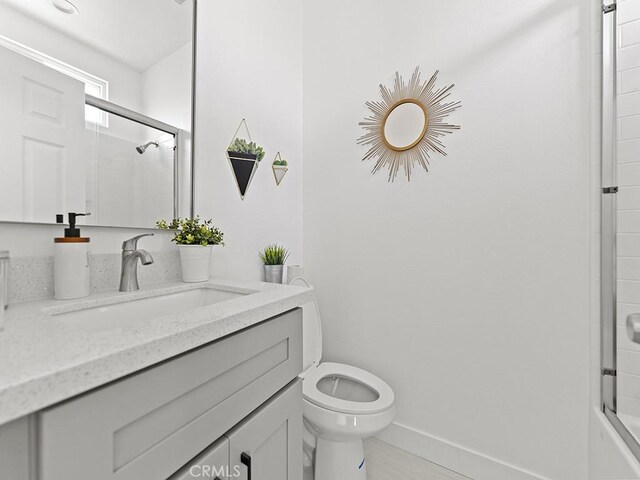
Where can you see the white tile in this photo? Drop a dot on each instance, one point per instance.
(386, 462)
(628, 151)
(628, 385)
(628, 291)
(629, 80)
(628, 362)
(629, 57)
(629, 198)
(629, 173)
(624, 343)
(629, 221)
(628, 245)
(628, 11)
(628, 406)
(630, 33)
(629, 127)
(629, 104)
(624, 309)
(629, 267)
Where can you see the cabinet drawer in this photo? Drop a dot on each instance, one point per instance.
(152, 423)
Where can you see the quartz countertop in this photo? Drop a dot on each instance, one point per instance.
(44, 361)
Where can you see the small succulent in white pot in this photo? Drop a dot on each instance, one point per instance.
(274, 257)
(195, 239)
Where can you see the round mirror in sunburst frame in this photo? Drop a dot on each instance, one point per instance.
(408, 124)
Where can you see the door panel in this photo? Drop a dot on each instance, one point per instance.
(44, 148)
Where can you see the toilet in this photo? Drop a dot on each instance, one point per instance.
(342, 405)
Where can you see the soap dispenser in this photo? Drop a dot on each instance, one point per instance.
(71, 261)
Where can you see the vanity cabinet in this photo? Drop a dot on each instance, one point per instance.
(264, 446)
(238, 395)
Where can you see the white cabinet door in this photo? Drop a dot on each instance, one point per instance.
(42, 133)
(267, 445)
(213, 464)
(17, 441)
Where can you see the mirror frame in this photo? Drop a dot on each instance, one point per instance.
(115, 109)
(413, 101)
(194, 65)
(436, 109)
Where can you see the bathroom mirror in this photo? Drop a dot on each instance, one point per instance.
(405, 125)
(96, 111)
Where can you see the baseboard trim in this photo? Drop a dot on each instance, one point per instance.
(455, 457)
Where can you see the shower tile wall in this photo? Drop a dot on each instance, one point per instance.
(628, 202)
(116, 159)
(126, 188)
(153, 184)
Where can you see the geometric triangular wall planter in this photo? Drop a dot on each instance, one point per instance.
(280, 168)
(279, 172)
(243, 165)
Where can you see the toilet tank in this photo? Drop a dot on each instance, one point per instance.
(311, 335)
(311, 332)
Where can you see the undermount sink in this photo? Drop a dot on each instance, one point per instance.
(118, 312)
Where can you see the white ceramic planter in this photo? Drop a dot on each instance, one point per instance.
(195, 261)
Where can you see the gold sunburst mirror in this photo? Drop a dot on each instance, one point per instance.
(406, 127)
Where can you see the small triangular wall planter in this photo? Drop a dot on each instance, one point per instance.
(279, 171)
(244, 166)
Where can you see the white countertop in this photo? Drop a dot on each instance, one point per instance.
(43, 361)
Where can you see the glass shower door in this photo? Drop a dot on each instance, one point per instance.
(620, 240)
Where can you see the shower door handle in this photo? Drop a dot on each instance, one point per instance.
(633, 327)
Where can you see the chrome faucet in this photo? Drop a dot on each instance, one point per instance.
(130, 256)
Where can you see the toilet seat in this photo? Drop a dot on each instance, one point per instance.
(327, 369)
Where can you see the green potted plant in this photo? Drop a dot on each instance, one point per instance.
(244, 157)
(274, 256)
(195, 239)
(280, 168)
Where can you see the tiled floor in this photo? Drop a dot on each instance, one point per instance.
(386, 462)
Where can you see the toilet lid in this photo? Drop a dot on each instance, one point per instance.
(319, 383)
(311, 330)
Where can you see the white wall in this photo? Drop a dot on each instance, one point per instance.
(467, 289)
(250, 69)
(166, 89)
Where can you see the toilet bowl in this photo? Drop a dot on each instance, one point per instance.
(342, 405)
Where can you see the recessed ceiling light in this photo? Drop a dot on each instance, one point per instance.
(65, 6)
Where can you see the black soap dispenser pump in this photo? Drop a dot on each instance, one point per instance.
(71, 261)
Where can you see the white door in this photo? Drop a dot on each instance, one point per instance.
(43, 150)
